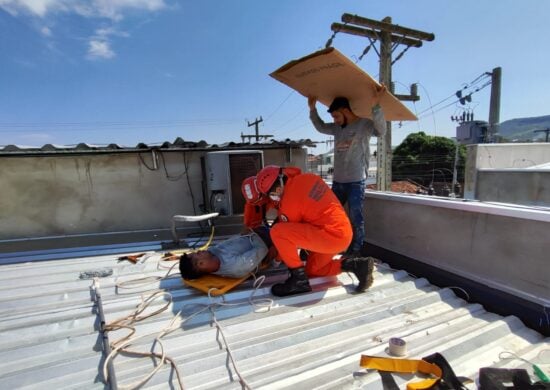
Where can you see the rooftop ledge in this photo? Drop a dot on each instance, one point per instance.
(493, 208)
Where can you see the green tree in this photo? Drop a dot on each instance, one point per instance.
(426, 159)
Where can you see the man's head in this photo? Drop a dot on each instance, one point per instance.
(270, 182)
(340, 111)
(194, 265)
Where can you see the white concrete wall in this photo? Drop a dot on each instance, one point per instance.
(68, 194)
(498, 156)
(528, 187)
(506, 248)
(71, 194)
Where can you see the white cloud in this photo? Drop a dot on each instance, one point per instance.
(35, 7)
(106, 31)
(114, 9)
(100, 49)
(110, 9)
(100, 44)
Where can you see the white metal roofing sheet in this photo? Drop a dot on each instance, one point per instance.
(49, 329)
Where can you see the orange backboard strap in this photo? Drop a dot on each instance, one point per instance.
(409, 366)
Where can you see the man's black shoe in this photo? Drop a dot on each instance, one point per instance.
(296, 284)
(362, 268)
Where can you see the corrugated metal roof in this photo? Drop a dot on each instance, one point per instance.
(49, 329)
(178, 143)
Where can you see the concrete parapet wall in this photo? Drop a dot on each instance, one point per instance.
(506, 248)
(501, 156)
(528, 186)
(80, 194)
(88, 193)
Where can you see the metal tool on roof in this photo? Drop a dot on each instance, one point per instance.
(132, 258)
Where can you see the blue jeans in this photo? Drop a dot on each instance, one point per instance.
(354, 194)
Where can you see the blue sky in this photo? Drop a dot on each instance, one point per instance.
(130, 71)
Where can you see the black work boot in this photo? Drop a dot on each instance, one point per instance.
(362, 268)
(296, 284)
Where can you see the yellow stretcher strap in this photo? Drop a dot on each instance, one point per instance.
(404, 366)
(205, 246)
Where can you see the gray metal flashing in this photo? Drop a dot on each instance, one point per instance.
(49, 329)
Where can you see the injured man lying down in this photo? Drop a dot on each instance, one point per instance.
(236, 257)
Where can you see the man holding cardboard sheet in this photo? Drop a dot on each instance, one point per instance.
(351, 156)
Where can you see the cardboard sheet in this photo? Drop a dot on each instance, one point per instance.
(327, 74)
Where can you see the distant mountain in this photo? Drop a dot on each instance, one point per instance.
(522, 129)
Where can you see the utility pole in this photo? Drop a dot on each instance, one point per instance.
(543, 131)
(455, 173)
(257, 134)
(390, 36)
(494, 105)
(255, 124)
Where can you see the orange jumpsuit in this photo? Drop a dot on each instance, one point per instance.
(254, 214)
(311, 218)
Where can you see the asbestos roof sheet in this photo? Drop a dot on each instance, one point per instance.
(49, 324)
(178, 143)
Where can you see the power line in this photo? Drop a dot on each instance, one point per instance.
(280, 105)
(429, 101)
(472, 83)
(294, 128)
(301, 111)
(459, 100)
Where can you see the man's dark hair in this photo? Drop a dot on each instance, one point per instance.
(338, 103)
(187, 269)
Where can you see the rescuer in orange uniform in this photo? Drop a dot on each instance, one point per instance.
(258, 204)
(310, 217)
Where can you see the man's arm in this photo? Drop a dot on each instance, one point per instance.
(378, 120)
(320, 126)
(377, 113)
(256, 254)
(253, 216)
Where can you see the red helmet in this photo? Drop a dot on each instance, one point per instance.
(250, 190)
(266, 177)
